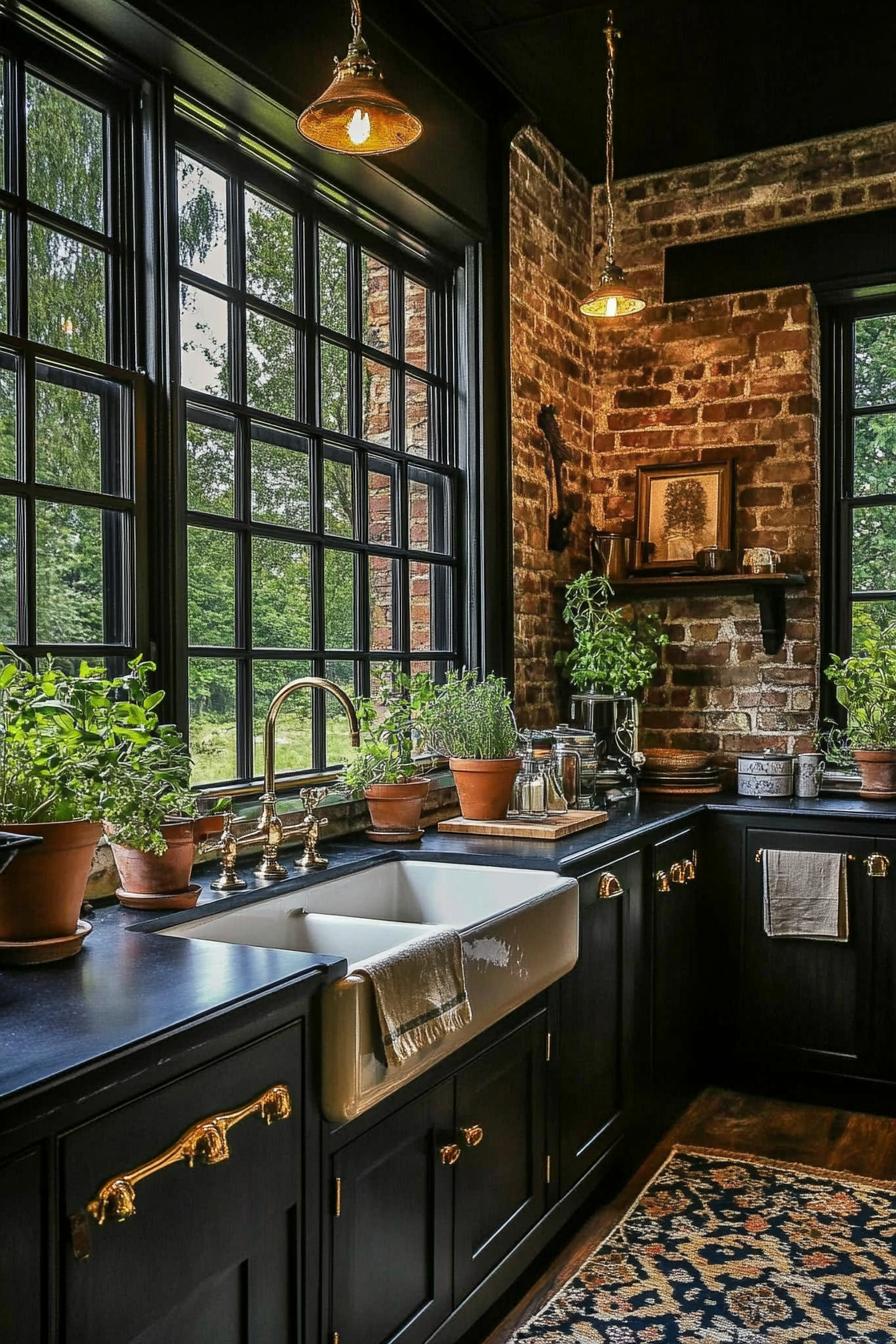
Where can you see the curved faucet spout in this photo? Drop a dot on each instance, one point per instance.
(270, 723)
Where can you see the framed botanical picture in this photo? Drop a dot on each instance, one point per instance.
(683, 509)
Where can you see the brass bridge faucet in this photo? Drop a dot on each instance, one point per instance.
(270, 829)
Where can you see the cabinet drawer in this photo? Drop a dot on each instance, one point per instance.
(209, 1250)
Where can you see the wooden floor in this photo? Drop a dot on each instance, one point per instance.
(817, 1136)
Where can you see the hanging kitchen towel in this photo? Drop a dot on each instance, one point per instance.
(804, 895)
(420, 992)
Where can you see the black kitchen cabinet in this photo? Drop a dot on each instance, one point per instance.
(882, 877)
(675, 961)
(602, 1025)
(209, 1251)
(22, 1239)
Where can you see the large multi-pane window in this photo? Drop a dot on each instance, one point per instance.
(320, 470)
(862, 405)
(67, 404)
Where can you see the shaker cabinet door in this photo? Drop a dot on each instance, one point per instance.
(23, 1306)
(883, 1016)
(676, 971)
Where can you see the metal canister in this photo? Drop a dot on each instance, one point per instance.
(577, 761)
(765, 774)
(809, 771)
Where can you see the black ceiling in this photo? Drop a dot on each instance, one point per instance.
(698, 79)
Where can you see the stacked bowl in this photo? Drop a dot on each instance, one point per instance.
(668, 770)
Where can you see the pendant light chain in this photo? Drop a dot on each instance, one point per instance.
(611, 34)
(356, 18)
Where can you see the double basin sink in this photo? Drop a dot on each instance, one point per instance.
(519, 933)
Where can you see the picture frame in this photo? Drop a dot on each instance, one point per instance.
(682, 508)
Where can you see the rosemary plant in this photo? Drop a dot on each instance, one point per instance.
(471, 719)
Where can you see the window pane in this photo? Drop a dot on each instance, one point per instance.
(338, 746)
(339, 493)
(204, 341)
(210, 468)
(874, 470)
(281, 483)
(333, 282)
(874, 549)
(72, 574)
(293, 737)
(66, 153)
(339, 599)
(375, 318)
(376, 408)
(210, 587)
(4, 303)
(270, 252)
(429, 589)
(869, 619)
(381, 477)
(270, 365)
(213, 719)
(202, 218)
(381, 589)
(427, 511)
(416, 341)
(8, 403)
(66, 293)
(417, 437)
(68, 437)
(281, 594)
(8, 583)
(334, 387)
(875, 360)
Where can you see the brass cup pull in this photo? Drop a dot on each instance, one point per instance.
(473, 1135)
(662, 882)
(608, 887)
(677, 874)
(690, 870)
(449, 1153)
(205, 1142)
(877, 865)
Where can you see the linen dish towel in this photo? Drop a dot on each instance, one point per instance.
(804, 895)
(420, 992)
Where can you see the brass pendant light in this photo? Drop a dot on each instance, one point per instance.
(357, 114)
(613, 297)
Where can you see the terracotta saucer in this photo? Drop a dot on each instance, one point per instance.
(38, 950)
(172, 900)
(394, 837)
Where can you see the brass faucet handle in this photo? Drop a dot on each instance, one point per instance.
(312, 859)
(313, 797)
(228, 845)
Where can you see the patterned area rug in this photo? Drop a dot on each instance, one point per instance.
(737, 1250)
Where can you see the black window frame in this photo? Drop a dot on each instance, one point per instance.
(839, 313)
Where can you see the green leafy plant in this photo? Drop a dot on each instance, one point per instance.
(610, 654)
(85, 746)
(390, 731)
(471, 719)
(865, 684)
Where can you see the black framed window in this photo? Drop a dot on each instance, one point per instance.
(860, 412)
(319, 454)
(69, 402)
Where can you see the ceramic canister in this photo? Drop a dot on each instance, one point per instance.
(809, 770)
(765, 774)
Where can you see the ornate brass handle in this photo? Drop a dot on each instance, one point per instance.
(677, 874)
(690, 870)
(449, 1153)
(877, 865)
(473, 1135)
(608, 887)
(206, 1142)
(662, 882)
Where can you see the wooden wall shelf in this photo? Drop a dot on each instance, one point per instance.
(767, 590)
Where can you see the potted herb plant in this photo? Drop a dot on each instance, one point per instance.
(611, 654)
(865, 684)
(60, 747)
(471, 722)
(383, 769)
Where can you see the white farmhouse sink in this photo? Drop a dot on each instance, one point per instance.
(519, 930)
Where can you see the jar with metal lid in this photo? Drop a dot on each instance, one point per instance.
(765, 774)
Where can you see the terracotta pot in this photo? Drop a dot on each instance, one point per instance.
(397, 807)
(157, 874)
(484, 788)
(878, 771)
(41, 894)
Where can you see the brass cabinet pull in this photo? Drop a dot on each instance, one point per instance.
(877, 865)
(473, 1135)
(676, 874)
(690, 870)
(449, 1154)
(206, 1142)
(608, 887)
(662, 882)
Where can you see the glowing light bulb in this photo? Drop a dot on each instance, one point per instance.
(359, 127)
(611, 306)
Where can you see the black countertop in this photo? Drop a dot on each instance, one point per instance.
(129, 985)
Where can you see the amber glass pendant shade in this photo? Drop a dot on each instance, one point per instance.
(613, 297)
(357, 114)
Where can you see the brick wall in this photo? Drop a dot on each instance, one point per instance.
(731, 376)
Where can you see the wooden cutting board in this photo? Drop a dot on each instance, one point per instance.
(512, 828)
